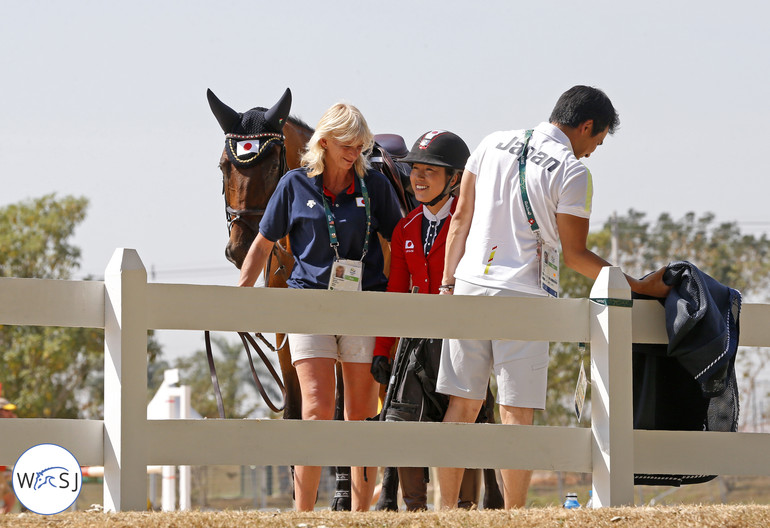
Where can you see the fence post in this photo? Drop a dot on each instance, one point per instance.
(125, 382)
(611, 390)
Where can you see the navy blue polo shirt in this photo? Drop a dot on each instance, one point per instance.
(297, 209)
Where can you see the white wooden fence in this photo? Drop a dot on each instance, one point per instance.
(125, 442)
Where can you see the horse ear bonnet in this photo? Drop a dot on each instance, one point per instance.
(248, 135)
(227, 117)
(276, 116)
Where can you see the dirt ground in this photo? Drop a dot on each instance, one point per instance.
(637, 517)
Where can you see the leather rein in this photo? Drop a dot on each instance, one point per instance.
(244, 216)
(246, 338)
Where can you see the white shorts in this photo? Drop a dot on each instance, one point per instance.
(345, 349)
(520, 367)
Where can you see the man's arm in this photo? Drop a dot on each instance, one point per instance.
(573, 232)
(459, 227)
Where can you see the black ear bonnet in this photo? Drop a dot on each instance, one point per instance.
(249, 135)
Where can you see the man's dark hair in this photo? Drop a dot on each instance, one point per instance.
(581, 103)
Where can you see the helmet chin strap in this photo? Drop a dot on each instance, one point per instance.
(446, 190)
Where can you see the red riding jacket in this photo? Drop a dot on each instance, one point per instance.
(408, 264)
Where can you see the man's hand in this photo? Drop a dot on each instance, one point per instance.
(381, 369)
(652, 285)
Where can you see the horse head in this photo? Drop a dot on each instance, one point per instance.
(253, 160)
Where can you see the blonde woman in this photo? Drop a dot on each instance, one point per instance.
(335, 179)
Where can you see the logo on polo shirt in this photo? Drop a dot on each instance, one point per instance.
(360, 201)
(409, 246)
(311, 203)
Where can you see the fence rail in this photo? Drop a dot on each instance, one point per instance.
(125, 442)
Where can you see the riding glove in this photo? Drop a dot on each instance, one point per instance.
(381, 369)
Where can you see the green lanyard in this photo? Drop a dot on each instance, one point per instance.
(523, 186)
(334, 243)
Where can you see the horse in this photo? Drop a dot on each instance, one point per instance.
(275, 142)
(247, 184)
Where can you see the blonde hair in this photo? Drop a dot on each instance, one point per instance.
(345, 123)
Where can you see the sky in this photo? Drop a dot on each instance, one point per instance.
(107, 100)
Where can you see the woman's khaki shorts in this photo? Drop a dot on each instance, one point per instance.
(345, 349)
(520, 367)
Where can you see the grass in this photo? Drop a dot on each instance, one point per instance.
(647, 517)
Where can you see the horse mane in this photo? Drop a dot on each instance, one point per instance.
(300, 123)
(292, 119)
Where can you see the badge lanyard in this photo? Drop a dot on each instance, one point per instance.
(347, 274)
(548, 256)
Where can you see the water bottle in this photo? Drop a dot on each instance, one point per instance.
(571, 502)
(590, 503)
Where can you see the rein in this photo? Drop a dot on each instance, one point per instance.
(246, 338)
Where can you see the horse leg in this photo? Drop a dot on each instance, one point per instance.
(493, 498)
(341, 500)
(389, 491)
(292, 409)
(470, 489)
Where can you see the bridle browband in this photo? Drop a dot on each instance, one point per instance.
(238, 215)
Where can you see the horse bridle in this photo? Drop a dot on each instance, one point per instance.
(241, 215)
(245, 215)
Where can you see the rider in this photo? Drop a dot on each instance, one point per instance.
(417, 259)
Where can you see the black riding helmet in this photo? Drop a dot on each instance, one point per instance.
(440, 148)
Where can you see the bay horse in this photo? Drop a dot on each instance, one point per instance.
(272, 142)
(249, 178)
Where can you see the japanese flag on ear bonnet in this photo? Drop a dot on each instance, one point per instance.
(441, 148)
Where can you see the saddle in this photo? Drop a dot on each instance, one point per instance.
(387, 150)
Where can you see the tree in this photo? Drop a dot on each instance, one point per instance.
(720, 250)
(239, 394)
(49, 371)
(35, 237)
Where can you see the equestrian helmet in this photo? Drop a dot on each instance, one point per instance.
(440, 148)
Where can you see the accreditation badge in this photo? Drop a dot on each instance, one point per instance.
(346, 275)
(549, 269)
